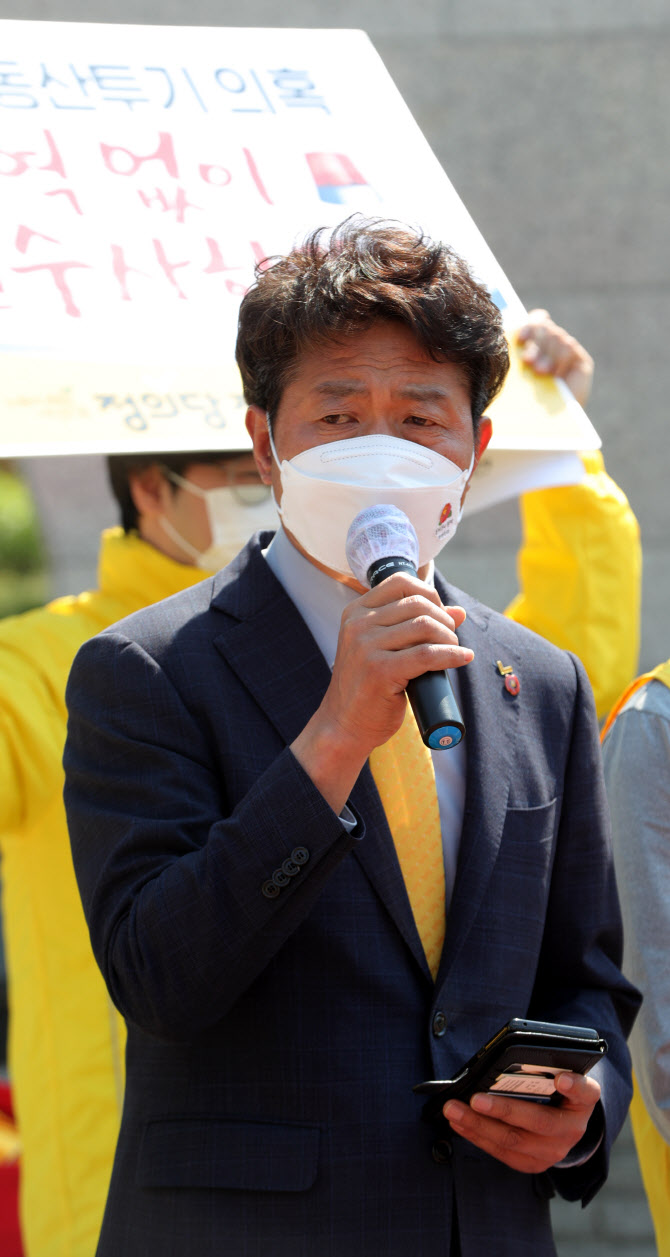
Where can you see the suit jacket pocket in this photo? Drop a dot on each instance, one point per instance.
(527, 851)
(238, 1154)
(532, 810)
(536, 824)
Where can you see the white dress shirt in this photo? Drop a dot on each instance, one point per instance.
(321, 601)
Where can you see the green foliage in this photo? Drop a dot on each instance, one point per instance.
(21, 547)
(23, 582)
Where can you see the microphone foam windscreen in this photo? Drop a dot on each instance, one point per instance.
(380, 532)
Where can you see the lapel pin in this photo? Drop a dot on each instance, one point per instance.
(510, 679)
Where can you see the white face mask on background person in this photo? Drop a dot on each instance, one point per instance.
(325, 487)
(234, 513)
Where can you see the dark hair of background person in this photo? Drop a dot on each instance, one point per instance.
(120, 466)
(370, 269)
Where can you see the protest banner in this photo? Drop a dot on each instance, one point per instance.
(145, 171)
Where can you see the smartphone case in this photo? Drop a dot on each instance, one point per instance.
(521, 1061)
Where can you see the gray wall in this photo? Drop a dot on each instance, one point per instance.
(550, 118)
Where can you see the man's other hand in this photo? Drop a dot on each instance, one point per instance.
(550, 350)
(524, 1135)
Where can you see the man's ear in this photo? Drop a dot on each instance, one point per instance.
(257, 426)
(484, 434)
(149, 490)
(482, 438)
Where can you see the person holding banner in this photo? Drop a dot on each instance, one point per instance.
(581, 543)
(636, 756)
(252, 810)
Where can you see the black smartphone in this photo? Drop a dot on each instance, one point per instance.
(522, 1061)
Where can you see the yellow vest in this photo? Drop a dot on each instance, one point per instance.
(652, 1150)
(580, 576)
(66, 1041)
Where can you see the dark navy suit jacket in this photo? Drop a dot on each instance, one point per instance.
(278, 1001)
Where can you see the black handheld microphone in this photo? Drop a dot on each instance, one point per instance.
(381, 541)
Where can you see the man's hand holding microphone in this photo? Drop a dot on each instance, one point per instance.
(390, 636)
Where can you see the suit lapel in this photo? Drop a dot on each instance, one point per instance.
(378, 857)
(491, 718)
(267, 643)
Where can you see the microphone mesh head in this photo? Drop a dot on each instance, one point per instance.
(380, 532)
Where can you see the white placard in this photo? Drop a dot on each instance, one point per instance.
(144, 171)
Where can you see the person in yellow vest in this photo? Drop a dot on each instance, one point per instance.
(183, 517)
(579, 558)
(636, 755)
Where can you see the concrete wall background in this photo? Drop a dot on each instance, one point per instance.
(550, 119)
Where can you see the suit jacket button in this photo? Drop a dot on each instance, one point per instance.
(441, 1151)
(270, 889)
(300, 855)
(439, 1024)
(280, 878)
(290, 867)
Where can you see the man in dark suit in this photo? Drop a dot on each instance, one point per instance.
(253, 814)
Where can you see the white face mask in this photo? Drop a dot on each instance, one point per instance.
(234, 512)
(325, 487)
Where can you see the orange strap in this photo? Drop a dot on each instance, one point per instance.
(660, 673)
